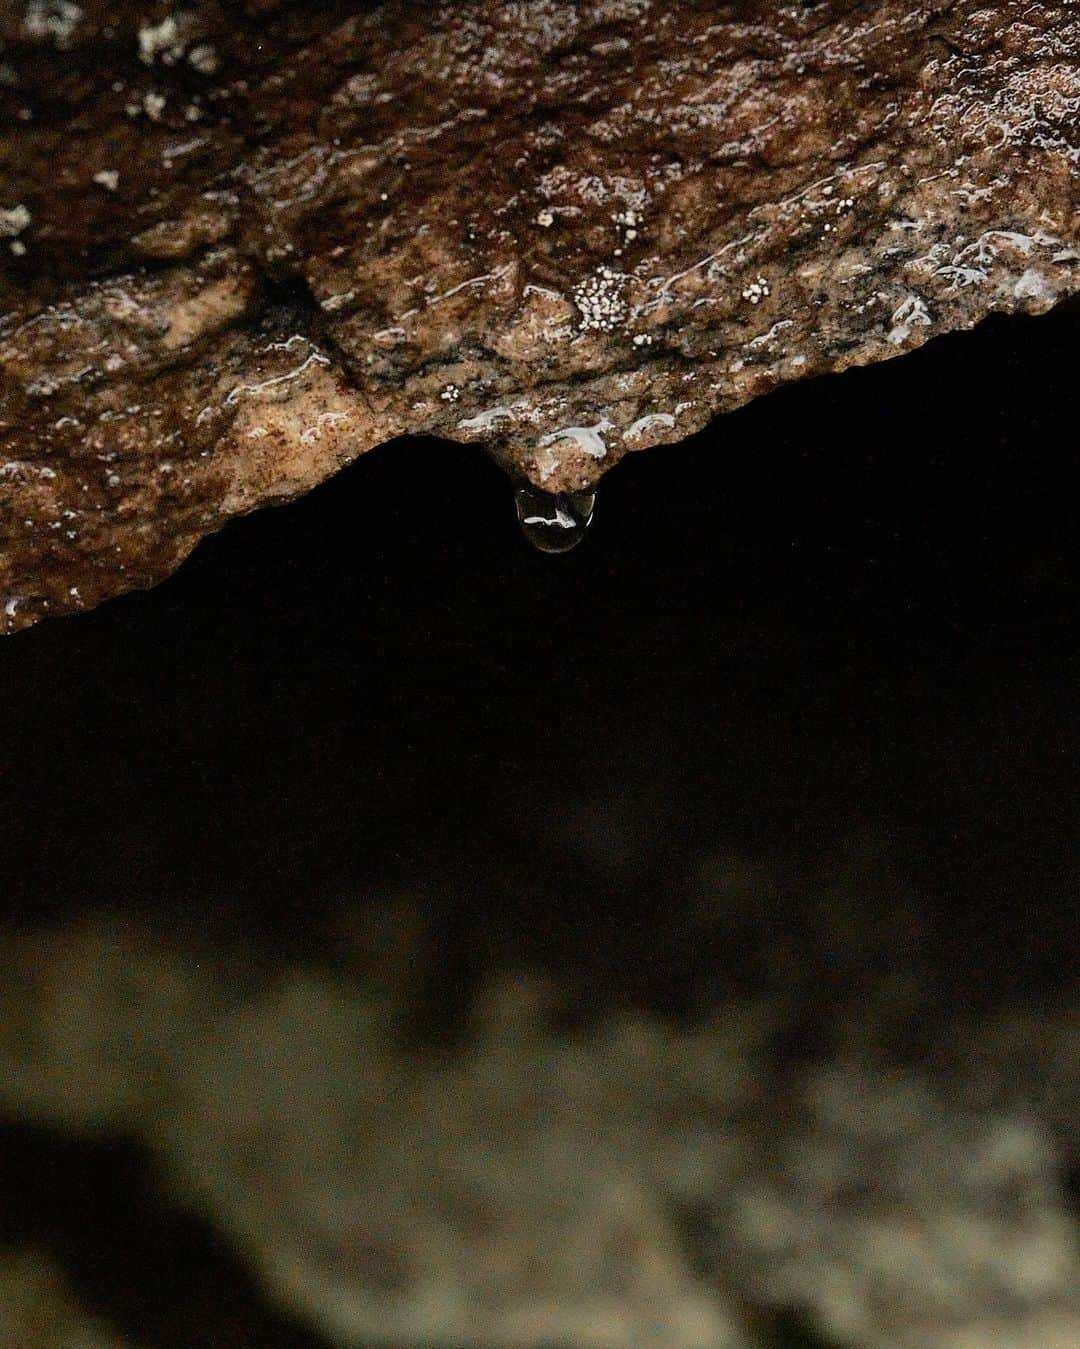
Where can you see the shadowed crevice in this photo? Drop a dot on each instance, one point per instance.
(161, 1276)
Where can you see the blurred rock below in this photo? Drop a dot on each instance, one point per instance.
(843, 1129)
(39, 1311)
(241, 245)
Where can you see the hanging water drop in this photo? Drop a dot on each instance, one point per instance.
(554, 522)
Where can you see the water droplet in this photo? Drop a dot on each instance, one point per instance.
(554, 522)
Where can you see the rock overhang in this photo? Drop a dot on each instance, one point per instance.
(239, 251)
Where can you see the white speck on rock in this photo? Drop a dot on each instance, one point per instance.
(589, 439)
(13, 221)
(655, 421)
(1034, 285)
(52, 19)
(161, 41)
(109, 179)
(485, 421)
(602, 301)
(245, 390)
(913, 313)
(204, 59)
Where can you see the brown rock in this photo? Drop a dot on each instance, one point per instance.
(240, 248)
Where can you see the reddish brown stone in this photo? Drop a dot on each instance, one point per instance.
(242, 245)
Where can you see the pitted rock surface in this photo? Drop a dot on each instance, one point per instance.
(241, 245)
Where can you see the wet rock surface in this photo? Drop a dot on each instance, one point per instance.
(243, 244)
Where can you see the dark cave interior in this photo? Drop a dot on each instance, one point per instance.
(855, 597)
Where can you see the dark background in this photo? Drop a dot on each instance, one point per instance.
(856, 598)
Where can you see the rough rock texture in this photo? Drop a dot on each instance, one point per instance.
(840, 1131)
(243, 244)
